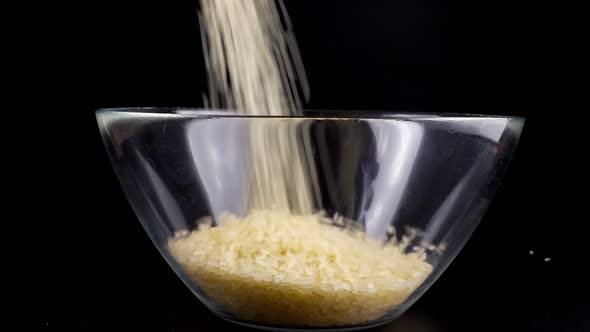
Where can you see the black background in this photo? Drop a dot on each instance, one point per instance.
(75, 257)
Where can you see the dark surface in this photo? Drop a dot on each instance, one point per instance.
(74, 256)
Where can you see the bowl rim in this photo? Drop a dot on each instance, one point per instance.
(195, 112)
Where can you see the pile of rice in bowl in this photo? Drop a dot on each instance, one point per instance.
(277, 268)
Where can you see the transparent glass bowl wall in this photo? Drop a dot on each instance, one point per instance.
(435, 173)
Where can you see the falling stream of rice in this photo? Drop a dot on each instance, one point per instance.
(281, 263)
(254, 67)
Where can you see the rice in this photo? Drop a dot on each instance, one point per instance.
(254, 66)
(277, 268)
(292, 268)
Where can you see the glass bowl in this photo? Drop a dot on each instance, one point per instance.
(388, 201)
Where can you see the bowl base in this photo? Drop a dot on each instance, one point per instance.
(295, 329)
